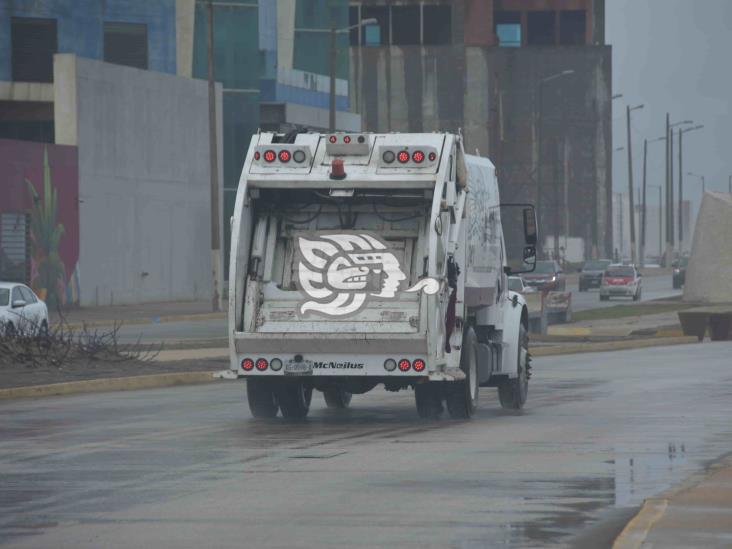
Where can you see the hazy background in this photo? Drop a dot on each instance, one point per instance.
(675, 56)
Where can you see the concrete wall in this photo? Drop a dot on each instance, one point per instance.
(143, 180)
(491, 94)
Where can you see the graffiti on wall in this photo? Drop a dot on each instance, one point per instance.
(41, 184)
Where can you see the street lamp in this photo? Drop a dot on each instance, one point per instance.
(628, 110)
(334, 32)
(542, 81)
(682, 131)
(670, 187)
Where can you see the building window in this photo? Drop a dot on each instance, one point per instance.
(126, 44)
(508, 28)
(572, 28)
(436, 25)
(33, 42)
(540, 28)
(405, 25)
(426, 24)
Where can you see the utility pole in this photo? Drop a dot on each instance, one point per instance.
(332, 97)
(643, 210)
(669, 253)
(730, 184)
(633, 256)
(682, 131)
(214, 165)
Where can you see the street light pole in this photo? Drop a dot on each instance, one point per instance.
(213, 165)
(682, 131)
(332, 97)
(633, 256)
(643, 208)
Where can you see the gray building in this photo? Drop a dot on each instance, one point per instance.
(491, 69)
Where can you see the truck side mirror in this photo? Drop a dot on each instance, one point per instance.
(520, 234)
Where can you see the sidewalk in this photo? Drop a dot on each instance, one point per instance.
(697, 515)
(139, 314)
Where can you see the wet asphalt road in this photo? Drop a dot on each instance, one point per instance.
(653, 287)
(188, 467)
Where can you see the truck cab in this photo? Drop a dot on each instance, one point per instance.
(365, 259)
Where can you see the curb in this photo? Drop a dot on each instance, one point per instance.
(611, 346)
(111, 384)
(653, 509)
(150, 320)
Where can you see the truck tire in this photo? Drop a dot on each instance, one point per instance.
(261, 397)
(462, 396)
(513, 392)
(293, 397)
(428, 397)
(337, 398)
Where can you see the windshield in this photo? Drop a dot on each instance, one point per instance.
(619, 271)
(595, 265)
(4, 296)
(515, 285)
(544, 267)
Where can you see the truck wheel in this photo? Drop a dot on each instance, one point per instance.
(512, 392)
(462, 396)
(293, 397)
(428, 398)
(261, 398)
(337, 398)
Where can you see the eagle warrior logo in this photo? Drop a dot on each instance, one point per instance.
(339, 273)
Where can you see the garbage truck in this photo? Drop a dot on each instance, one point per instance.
(366, 259)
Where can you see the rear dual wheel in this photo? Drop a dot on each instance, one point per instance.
(461, 396)
(337, 398)
(291, 396)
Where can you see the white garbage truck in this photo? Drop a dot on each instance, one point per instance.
(365, 259)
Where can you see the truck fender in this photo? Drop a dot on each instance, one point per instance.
(515, 314)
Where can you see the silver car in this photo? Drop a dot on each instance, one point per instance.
(21, 310)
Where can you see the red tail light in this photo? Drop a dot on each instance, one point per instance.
(247, 364)
(404, 365)
(262, 364)
(257, 156)
(269, 156)
(403, 157)
(284, 156)
(347, 139)
(432, 156)
(418, 156)
(419, 365)
(332, 139)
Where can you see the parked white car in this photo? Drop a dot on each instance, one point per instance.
(21, 310)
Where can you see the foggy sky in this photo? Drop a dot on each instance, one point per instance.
(675, 56)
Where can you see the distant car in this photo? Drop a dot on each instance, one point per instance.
(515, 284)
(678, 278)
(621, 281)
(21, 310)
(547, 276)
(591, 273)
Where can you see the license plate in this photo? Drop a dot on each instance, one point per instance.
(303, 368)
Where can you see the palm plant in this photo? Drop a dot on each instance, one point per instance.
(45, 238)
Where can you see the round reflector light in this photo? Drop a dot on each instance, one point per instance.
(269, 156)
(418, 156)
(285, 156)
(332, 138)
(257, 156)
(276, 364)
(361, 139)
(390, 365)
(419, 365)
(262, 364)
(298, 156)
(347, 139)
(388, 157)
(404, 365)
(432, 156)
(247, 364)
(403, 157)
